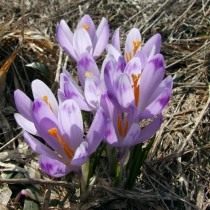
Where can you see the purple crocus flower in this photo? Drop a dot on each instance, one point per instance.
(86, 38)
(92, 85)
(60, 126)
(134, 93)
(134, 46)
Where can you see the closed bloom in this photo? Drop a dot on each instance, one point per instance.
(86, 38)
(63, 148)
(92, 85)
(134, 92)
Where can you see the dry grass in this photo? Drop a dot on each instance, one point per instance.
(176, 173)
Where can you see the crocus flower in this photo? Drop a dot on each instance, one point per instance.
(86, 38)
(92, 85)
(60, 126)
(134, 46)
(134, 93)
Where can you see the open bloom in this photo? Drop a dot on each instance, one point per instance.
(134, 93)
(134, 46)
(86, 38)
(63, 148)
(92, 85)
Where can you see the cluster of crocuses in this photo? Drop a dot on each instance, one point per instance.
(128, 88)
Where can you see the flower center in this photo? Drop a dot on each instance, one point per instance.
(85, 26)
(88, 74)
(45, 99)
(136, 90)
(122, 125)
(136, 44)
(68, 150)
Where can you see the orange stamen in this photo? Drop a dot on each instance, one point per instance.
(68, 150)
(136, 46)
(45, 99)
(128, 56)
(85, 26)
(122, 126)
(136, 90)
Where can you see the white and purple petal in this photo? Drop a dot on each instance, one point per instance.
(102, 38)
(87, 67)
(53, 166)
(64, 37)
(82, 42)
(151, 77)
(70, 123)
(25, 124)
(41, 91)
(87, 23)
(23, 104)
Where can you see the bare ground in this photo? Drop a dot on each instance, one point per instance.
(176, 173)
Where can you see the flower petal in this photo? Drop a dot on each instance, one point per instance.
(64, 37)
(82, 42)
(96, 131)
(42, 91)
(167, 83)
(37, 146)
(112, 51)
(25, 124)
(110, 134)
(87, 68)
(132, 136)
(70, 123)
(87, 23)
(92, 93)
(102, 37)
(70, 90)
(44, 120)
(124, 91)
(23, 104)
(53, 167)
(132, 43)
(81, 154)
(158, 104)
(152, 46)
(134, 66)
(150, 130)
(150, 79)
(116, 39)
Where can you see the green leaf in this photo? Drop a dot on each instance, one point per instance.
(137, 158)
(30, 205)
(42, 68)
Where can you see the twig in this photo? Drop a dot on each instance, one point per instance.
(199, 118)
(37, 181)
(57, 75)
(189, 55)
(10, 141)
(155, 13)
(46, 198)
(183, 15)
(177, 155)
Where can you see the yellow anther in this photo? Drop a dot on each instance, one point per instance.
(136, 90)
(85, 26)
(88, 74)
(128, 56)
(45, 99)
(122, 125)
(136, 46)
(68, 150)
